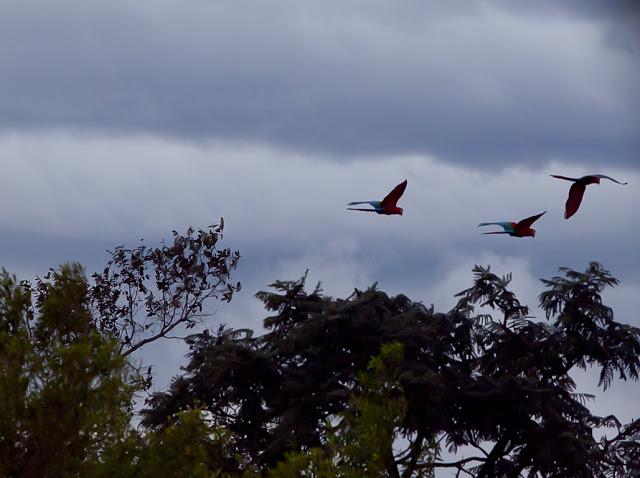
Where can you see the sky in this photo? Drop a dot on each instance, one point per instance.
(121, 120)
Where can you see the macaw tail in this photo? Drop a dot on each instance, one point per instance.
(602, 176)
(358, 209)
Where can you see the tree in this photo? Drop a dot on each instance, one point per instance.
(66, 395)
(65, 392)
(366, 427)
(188, 447)
(145, 293)
(496, 382)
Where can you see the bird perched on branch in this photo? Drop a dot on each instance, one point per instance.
(388, 205)
(577, 190)
(516, 229)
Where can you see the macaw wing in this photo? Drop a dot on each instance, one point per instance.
(602, 176)
(507, 226)
(375, 204)
(391, 199)
(575, 198)
(564, 177)
(526, 223)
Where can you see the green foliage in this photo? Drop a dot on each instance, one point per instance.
(64, 393)
(361, 443)
(313, 463)
(66, 387)
(186, 448)
(368, 426)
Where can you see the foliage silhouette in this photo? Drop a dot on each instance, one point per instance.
(359, 443)
(484, 375)
(145, 293)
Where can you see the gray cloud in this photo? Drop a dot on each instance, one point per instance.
(488, 83)
(284, 209)
(65, 197)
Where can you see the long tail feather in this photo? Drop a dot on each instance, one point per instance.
(610, 179)
(358, 209)
(497, 232)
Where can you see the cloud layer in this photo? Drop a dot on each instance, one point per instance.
(487, 82)
(287, 209)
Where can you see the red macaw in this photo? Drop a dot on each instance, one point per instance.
(516, 229)
(577, 190)
(388, 205)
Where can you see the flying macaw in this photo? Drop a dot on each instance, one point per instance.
(577, 190)
(516, 229)
(388, 205)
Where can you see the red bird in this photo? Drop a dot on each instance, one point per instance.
(516, 229)
(388, 205)
(577, 190)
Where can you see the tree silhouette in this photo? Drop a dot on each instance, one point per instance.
(145, 293)
(484, 375)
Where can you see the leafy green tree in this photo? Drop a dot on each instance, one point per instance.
(66, 386)
(66, 395)
(495, 381)
(65, 392)
(188, 447)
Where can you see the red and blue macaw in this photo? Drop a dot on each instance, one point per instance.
(577, 190)
(388, 205)
(516, 229)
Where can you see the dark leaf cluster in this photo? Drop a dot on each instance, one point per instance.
(146, 292)
(484, 375)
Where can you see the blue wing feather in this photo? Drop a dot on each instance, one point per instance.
(507, 226)
(375, 204)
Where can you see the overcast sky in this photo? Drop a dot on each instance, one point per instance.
(123, 119)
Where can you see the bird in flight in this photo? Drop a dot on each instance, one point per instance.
(577, 190)
(516, 229)
(388, 205)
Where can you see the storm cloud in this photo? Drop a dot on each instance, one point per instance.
(484, 83)
(69, 198)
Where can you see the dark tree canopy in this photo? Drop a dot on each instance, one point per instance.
(496, 381)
